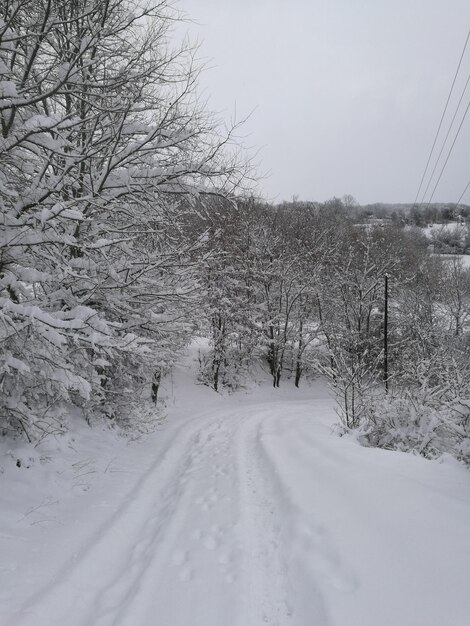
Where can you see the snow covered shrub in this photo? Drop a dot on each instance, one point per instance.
(37, 375)
(450, 239)
(419, 422)
(431, 418)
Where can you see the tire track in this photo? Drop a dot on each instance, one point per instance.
(270, 574)
(98, 559)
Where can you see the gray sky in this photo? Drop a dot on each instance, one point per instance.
(347, 94)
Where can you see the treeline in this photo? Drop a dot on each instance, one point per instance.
(402, 215)
(420, 215)
(301, 287)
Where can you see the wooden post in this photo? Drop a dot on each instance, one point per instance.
(386, 334)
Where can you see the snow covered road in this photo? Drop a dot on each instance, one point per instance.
(246, 511)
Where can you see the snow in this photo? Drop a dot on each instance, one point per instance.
(7, 89)
(464, 258)
(240, 510)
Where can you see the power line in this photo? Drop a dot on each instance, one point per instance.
(442, 117)
(463, 193)
(445, 140)
(448, 154)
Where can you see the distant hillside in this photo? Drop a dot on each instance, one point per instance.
(419, 215)
(407, 207)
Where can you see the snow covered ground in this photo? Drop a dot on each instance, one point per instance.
(465, 258)
(241, 510)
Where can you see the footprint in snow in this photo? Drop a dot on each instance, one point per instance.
(224, 558)
(325, 561)
(210, 542)
(186, 574)
(179, 557)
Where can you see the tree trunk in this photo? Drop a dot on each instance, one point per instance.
(156, 385)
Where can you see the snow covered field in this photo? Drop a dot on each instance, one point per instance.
(465, 258)
(243, 510)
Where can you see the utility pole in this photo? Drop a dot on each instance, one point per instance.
(386, 333)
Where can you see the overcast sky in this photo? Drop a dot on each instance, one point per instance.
(346, 94)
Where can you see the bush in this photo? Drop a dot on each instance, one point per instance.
(430, 421)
